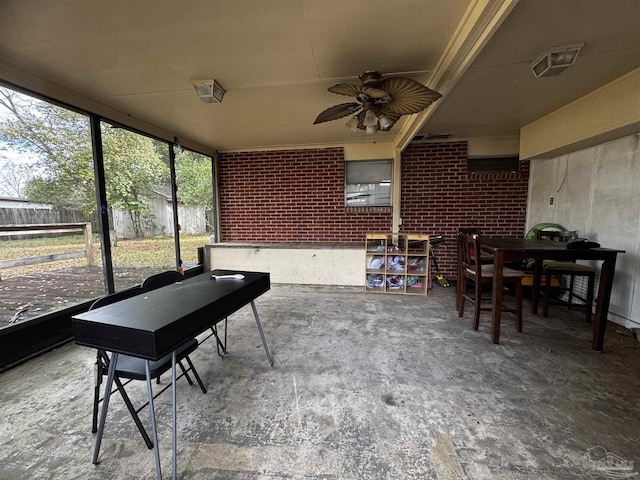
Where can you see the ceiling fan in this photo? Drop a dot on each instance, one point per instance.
(380, 102)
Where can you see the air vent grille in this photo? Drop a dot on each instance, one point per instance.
(493, 164)
(430, 136)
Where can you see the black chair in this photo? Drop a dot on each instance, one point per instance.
(133, 368)
(482, 274)
(172, 276)
(162, 279)
(569, 269)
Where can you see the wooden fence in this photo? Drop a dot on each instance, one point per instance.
(49, 228)
(29, 215)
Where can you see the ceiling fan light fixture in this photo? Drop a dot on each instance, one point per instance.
(352, 124)
(370, 129)
(385, 122)
(555, 60)
(370, 119)
(209, 91)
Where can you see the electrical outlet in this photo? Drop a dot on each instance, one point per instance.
(550, 200)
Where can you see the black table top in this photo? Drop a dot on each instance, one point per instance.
(154, 323)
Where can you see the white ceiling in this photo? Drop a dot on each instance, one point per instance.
(277, 58)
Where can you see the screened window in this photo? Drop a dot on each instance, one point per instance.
(53, 239)
(497, 164)
(50, 231)
(194, 177)
(49, 243)
(368, 183)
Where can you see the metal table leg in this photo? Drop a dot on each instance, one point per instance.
(264, 342)
(174, 436)
(152, 414)
(105, 406)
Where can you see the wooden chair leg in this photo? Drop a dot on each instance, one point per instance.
(547, 292)
(519, 305)
(460, 288)
(589, 305)
(571, 283)
(463, 292)
(460, 278)
(478, 301)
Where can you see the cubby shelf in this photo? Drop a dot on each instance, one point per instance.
(397, 263)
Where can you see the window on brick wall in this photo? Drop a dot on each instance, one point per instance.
(368, 183)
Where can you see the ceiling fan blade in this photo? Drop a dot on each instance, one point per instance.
(408, 96)
(337, 111)
(346, 89)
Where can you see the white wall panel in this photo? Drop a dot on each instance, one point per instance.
(306, 266)
(597, 191)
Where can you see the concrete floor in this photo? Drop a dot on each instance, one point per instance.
(364, 386)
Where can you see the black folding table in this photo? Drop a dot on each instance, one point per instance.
(155, 323)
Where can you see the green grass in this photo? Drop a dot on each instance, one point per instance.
(138, 252)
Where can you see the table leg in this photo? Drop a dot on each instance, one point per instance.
(174, 436)
(264, 342)
(105, 405)
(602, 302)
(498, 266)
(152, 414)
(459, 276)
(535, 285)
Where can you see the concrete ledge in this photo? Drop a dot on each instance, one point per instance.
(324, 263)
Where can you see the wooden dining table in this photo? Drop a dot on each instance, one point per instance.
(511, 249)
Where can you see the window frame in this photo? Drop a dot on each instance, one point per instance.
(380, 181)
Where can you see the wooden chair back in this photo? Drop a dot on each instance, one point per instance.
(470, 230)
(470, 254)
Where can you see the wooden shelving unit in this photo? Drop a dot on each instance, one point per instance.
(397, 263)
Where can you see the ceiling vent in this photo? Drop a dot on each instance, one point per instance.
(430, 136)
(555, 60)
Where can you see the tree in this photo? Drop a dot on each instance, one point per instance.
(194, 179)
(132, 168)
(61, 141)
(14, 177)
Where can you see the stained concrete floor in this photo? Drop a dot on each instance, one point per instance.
(364, 386)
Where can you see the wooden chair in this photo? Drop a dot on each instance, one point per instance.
(133, 368)
(569, 269)
(482, 274)
(484, 258)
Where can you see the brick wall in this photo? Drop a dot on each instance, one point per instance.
(298, 196)
(291, 196)
(438, 196)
